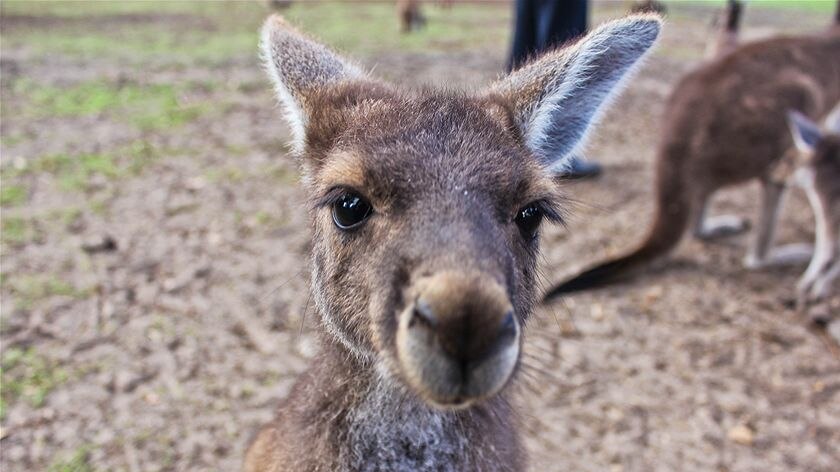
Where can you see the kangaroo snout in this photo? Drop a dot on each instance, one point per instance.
(458, 340)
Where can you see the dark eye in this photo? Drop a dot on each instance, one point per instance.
(350, 210)
(528, 219)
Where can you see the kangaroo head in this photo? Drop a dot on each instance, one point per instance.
(426, 205)
(818, 156)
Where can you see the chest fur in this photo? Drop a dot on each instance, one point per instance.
(395, 434)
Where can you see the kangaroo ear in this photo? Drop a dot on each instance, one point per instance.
(806, 133)
(299, 67)
(832, 121)
(557, 98)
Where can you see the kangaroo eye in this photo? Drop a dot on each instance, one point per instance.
(528, 219)
(350, 210)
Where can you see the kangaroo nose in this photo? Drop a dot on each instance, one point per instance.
(459, 341)
(468, 336)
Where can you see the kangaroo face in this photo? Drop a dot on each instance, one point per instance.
(426, 241)
(427, 206)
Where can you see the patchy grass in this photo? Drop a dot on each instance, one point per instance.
(31, 289)
(99, 206)
(12, 140)
(282, 174)
(28, 376)
(821, 6)
(75, 172)
(15, 230)
(192, 33)
(12, 194)
(144, 44)
(462, 27)
(18, 230)
(93, 8)
(65, 216)
(149, 107)
(77, 462)
(229, 31)
(224, 174)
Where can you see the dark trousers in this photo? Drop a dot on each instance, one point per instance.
(545, 24)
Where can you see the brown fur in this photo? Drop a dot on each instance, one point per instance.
(421, 305)
(395, 174)
(724, 125)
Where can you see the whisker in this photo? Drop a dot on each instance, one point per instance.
(282, 284)
(303, 317)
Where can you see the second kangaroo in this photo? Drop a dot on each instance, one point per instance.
(725, 124)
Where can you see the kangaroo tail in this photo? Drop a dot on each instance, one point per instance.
(673, 211)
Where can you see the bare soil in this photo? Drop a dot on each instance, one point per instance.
(166, 349)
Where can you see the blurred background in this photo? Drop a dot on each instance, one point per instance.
(155, 305)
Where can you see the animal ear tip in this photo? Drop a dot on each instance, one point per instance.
(650, 21)
(643, 29)
(275, 21)
(276, 24)
(651, 26)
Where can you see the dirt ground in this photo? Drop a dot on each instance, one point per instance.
(155, 302)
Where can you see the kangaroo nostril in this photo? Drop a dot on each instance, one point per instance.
(423, 314)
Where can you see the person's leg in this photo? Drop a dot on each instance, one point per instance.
(561, 21)
(524, 32)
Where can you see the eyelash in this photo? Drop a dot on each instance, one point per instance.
(333, 195)
(550, 211)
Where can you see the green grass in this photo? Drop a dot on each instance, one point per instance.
(11, 195)
(149, 107)
(77, 462)
(822, 6)
(93, 8)
(16, 230)
(66, 216)
(31, 289)
(233, 29)
(369, 28)
(229, 30)
(75, 172)
(28, 376)
(224, 174)
(205, 32)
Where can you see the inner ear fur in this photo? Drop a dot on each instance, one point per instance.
(556, 98)
(301, 69)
